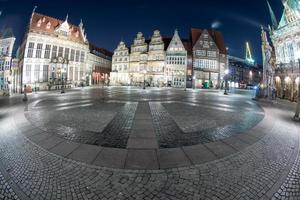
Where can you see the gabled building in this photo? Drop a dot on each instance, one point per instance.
(164, 61)
(285, 38)
(7, 41)
(120, 66)
(210, 58)
(99, 61)
(176, 62)
(55, 53)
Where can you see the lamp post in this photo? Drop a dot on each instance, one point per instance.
(297, 113)
(226, 81)
(144, 86)
(62, 81)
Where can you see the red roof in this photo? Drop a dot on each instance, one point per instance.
(101, 50)
(75, 33)
(216, 36)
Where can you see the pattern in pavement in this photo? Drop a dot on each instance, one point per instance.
(116, 133)
(252, 173)
(249, 174)
(180, 119)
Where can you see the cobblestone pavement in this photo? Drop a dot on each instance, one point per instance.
(256, 172)
(181, 119)
(6, 192)
(116, 133)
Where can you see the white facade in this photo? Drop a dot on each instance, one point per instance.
(6, 48)
(176, 62)
(147, 62)
(120, 67)
(56, 53)
(286, 37)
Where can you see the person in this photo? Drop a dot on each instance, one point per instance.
(25, 93)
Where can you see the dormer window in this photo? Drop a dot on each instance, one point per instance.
(39, 23)
(48, 25)
(44, 19)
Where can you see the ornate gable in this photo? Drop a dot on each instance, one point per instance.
(176, 44)
(205, 41)
(64, 28)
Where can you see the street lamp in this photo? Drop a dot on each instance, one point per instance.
(194, 84)
(62, 80)
(144, 72)
(226, 81)
(297, 113)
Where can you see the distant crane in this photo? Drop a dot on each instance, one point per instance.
(249, 58)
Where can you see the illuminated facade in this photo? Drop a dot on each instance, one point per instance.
(210, 59)
(172, 61)
(56, 53)
(285, 37)
(176, 62)
(144, 61)
(6, 48)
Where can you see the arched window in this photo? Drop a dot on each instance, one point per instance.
(48, 25)
(39, 23)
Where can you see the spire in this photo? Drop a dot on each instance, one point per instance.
(33, 11)
(273, 17)
(81, 23)
(66, 20)
(176, 32)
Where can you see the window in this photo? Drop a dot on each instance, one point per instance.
(82, 56)
(211, 54)
(200, 52)
(47, 51)
(72, 54)
(67, 50)
(28, 73)
(54, 52)
(290, 50)
(30, 50)
(77, 56)
(45, 73)
(36, 73)
(48, 25)
(38, 53)
(60, 51)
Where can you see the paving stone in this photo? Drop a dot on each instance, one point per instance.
(111, 157)
(172, 158)
(85, 153)
(220, 149)
(40, 137)
(64, 148)
(142, 143)
(236, 143)
(51, 142)
(199, 154)
(141, 159)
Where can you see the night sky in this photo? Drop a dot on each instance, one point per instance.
(107, 22)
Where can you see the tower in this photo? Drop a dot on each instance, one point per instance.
(249, 58)
(273, 17)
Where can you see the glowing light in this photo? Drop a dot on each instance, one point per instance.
(297, 80)
(227, 71)
(277, 78)
(287, 79)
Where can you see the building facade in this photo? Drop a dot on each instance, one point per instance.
(100, 61)
(175, 62)
(210, 58)
(285, 38)
(243, 73)
(55, 54)
(6, 49)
